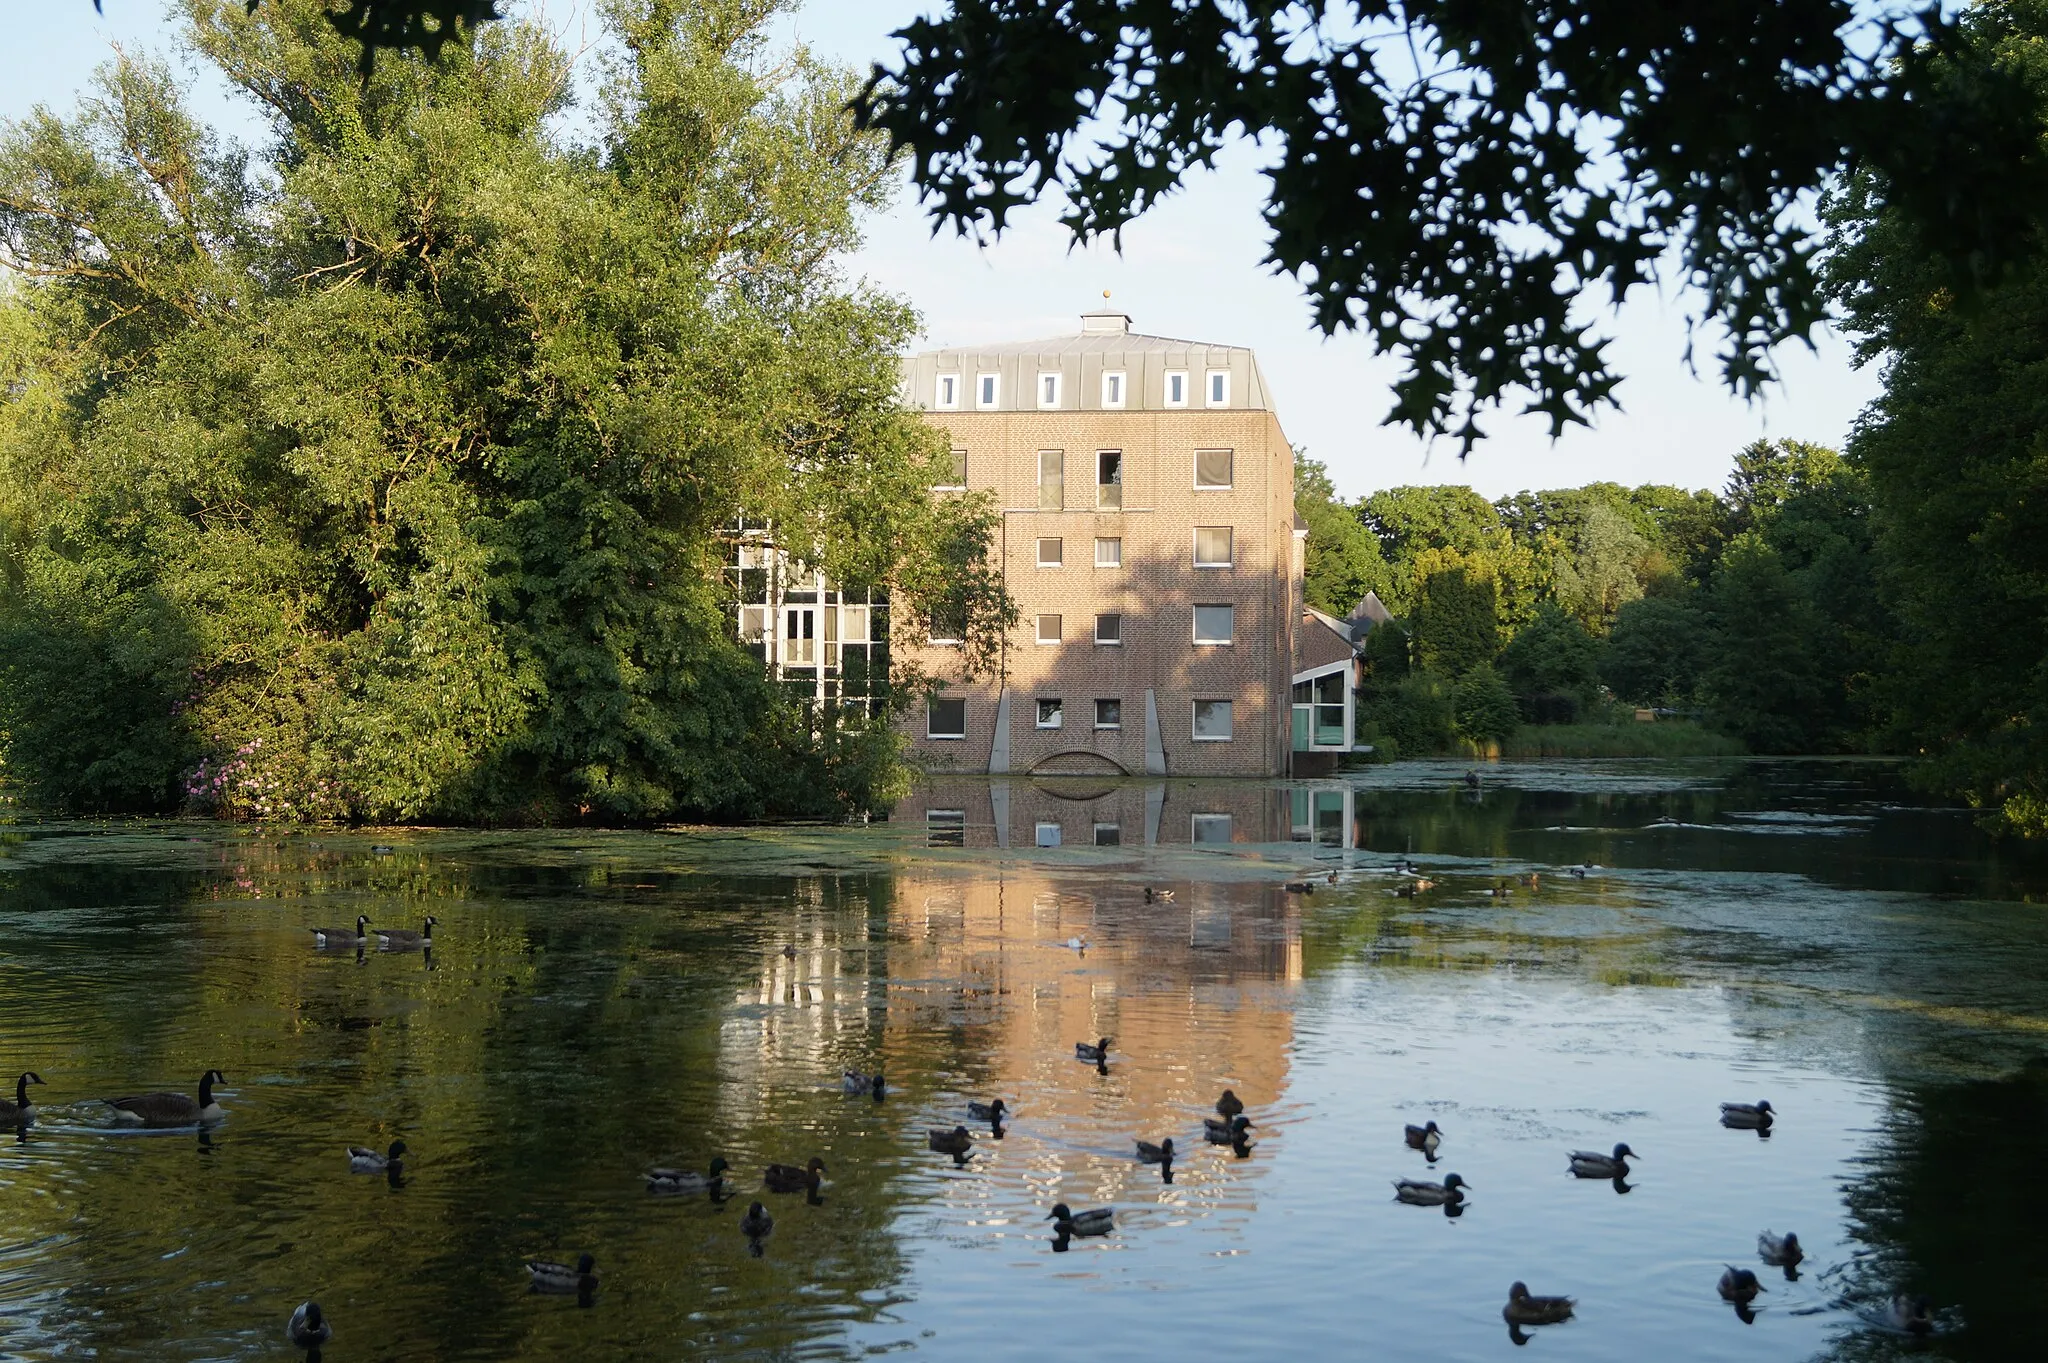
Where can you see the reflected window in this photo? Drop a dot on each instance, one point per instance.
(945, 828)
(1048, 835)
(1109, 835)
(1209, 828)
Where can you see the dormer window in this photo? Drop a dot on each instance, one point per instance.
(1113, 389)
(949, 393)
(1219, 388)
(1049, 391)
(1176, 387)
(986, 389)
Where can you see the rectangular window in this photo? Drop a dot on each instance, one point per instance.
(1109, 553)
(754, 554)
(1215, 624)
(1109, 480)
(1113, 388)
(955, 476)
(946, 717)
(1109, 713)
(946, 626)
(1052, 552)
(753, 624)
(945, 828)
(1209, 828)
(1212, 721)
(1052, 479)
(800, 636)
(949, 392)
(1213, 545)
(987, 387)
(1048, 835)
(1213, 468)
(1109, 629)
(1049, 390)
(1219, 388)
(1176, 387)
(1048, 629)
(853, 624)
(1109, 835)
(1050, 712)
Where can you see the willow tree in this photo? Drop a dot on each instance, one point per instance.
(382, 473)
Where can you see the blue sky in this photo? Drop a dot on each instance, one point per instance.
(1190, 268)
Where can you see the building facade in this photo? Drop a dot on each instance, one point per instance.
(1150, 542)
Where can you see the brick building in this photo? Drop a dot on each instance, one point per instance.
(1150, 542)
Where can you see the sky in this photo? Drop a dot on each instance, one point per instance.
(1191, 268)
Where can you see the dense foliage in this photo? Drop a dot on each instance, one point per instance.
(382, 475)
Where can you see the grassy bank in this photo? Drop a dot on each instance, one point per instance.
(1666, 738)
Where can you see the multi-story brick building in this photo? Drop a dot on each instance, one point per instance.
(1150, 541)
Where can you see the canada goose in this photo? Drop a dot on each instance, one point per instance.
(987, 1112)
(400, 939)
(553, 1277)
(21, 1109)
(1229, 1105)
(170, 1109)
(1099, 1051)
(853, 1081)
(687, 1180)
(363, 1160)
(1096, 1221)
(1225, 1131)
(1592, 1164)
(1780, 1251)
(756, 1223)
(787, 1178)
(1748, 1116)
(1425, 1138)
(1161, 1153)
(1524, 1309)
(1739, 1285)
(324, 938)
(955, 1142)
(1417, 1193)
(308, 1329)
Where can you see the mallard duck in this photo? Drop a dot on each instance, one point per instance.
(170, 1109)
(363, 1160)
(1098, 1052)
(1501, 890)
(1534, 880)
(1218, 1131)
(1739, 1285)
(987, 1112)
(756, 1223)
(853, 1081)
(553, 1277)
(787, 1178)
(1161, 1153)
(379, 849)
(1425, 1138)
(21, 1109)
(1419, 1194)
(1779, 1251)
(1591, 1164)
(1229, 1105)
(308, 1329)
(1914, 1315)
(1580, 872)
(1524, 1309)
(1096, 1221)
(342, 937)
(687, 1180)
(1164, 896)
(1748, 1116)
(402, 939)
(954, 1142)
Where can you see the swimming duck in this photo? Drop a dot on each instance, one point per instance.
(553, 1277)
(378, 849)
(687, 1180)
(756, 1223)
(21, 1109)
(403, 939)
(1096, 1221)
(787, 1178)
(1739, 1285)
(1500, 890)
(987, 1112)
(1218, 1131)
(1299, 887)
(1164, 896)
(342, 937)
(363, 1160)
(308, 1329)
(788, 951)
(1914, 1315)
(955, 1142)
(1579, 872)
(1098, 1052)
(1780, 1251)
(1591, 1164)
(1229, 1105)
(1524, 1309)
(1534, 880)
(853, 1081)
(170, 1109)
(1419, 1194)
(1425, 1138)
(1161, 1153)
(1748, 1116)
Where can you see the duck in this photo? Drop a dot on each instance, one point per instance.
(1161, 1153)
(1533, 880)
(955, 1142)
(1219, 1131)
(553, 1277)
(400, 939)
(308, 1328)
(1095, 1221)
(1098, 1052)
(1425, 1138)
(1501, 890)
(788, 1178)
(853, 1081)
(1591, 1164)
(1579, 872)
(1163, 896)
(21, 1109)
(1780, 1251)
(342, 937)
(1419, 1194)
(987, 1112)
(1748, 1116)
(170, 1109)
(1911, 1314)
(363, 1160)
(1079, 944)
(757, 1222)
(1229, 1105)
(1526, 1309)
(1739, 1285)
(1299, 887)
(687, 1180)
(789, 951)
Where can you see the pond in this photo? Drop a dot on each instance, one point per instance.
(595, 1004)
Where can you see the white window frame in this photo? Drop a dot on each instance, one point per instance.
(1169, 399)
(991, 384)
(960, 486)
(757, 632)
(1197, 819)
(1100, 455)
(1038, 834)
(947, 395)
(1212, 381)
(1116, 388)
(1059, 544)
(1195, 624)
(847, 616)
(1230, 562)
(1059, 712)
(1118, 700)
(1038, 628)
(1196, 470)
(1117, 616)
(1049, 379)
(1118, 541)
(1212, 738)
(929, 733)
(1102, 828)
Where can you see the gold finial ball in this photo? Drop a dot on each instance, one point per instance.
(1105, 295)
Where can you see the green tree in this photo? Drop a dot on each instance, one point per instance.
(1343, 561)
(1455, 622)
(1764, 679)
(1409, 521)
(1387, 652)
(1656, 651)
(1484, 707)
(1599, 570)
(1552, 665)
